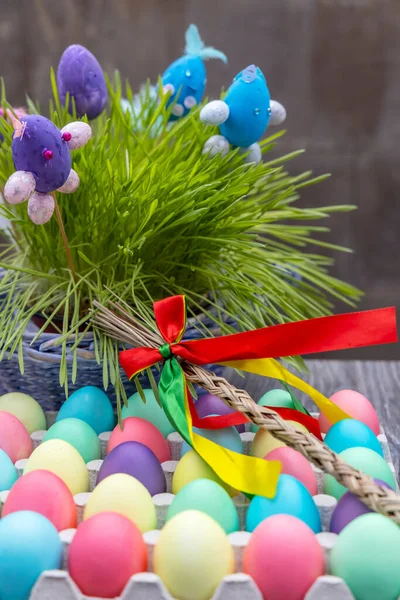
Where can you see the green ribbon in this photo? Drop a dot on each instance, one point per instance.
(172, 389)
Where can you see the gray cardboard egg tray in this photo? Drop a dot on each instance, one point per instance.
(58, 585)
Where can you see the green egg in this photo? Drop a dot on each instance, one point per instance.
(207, 497)
(366, 555)
(277, 397)
(151, 411)
(367, 461)
(26, 409)
(77, 433)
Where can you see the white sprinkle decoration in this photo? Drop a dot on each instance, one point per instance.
(19, 187)
(178, 110)
(80, 132)
(71, 184)
(40, 208)
(189, 102)
(168, 87)
(278, 113)
(216, 144)
(214, 113)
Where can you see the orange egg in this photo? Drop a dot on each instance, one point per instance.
(105, 552)
(139, 430)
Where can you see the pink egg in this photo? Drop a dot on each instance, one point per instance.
(356, 406)
(45, 493)
(284, 558)
(14, 437)
(105, 552)
(139, 430)
(294, 463)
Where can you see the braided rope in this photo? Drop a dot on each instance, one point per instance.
(128, 328)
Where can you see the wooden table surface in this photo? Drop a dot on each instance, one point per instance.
(379, 381)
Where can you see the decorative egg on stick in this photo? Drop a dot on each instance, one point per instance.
(42, 157)
(185, 79)
(243, 115)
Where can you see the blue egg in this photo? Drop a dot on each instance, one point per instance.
(291, 498)
(350, 433)
(228, 437)
(249, 108)
(92, 405)
(186, 78)
(8, 473)
(29, 545)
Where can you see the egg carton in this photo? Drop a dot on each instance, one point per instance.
(148, 586)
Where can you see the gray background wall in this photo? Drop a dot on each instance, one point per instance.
(335, 64)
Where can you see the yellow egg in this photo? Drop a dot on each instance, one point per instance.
(26, 409)
(191, 467)
(192, 556)
(61, 458)
(265, 442)
(123, 494)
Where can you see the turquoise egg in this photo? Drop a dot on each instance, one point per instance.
(150, 411)
(8, 473)
(79, 434)
(29, 545)
(291, 498)
(228, 437)
(350, 433)
(90, 404)
(278, 397)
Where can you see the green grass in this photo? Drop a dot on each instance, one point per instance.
(154, 217)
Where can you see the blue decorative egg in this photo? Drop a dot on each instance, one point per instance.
(92, 405)
(29, 545)
(249, 100)
(8, 473)
(291, 498)
(228, 437)
(350, 433)
(185, 79)
(39, 148)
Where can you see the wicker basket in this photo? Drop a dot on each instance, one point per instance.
(42, 362)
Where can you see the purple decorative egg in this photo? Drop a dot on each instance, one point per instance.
(212, 405)
(80, 74)
(137, 460)
(348, 508)
(38, 147)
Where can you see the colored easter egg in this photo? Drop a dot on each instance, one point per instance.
(207, 497)
(208, 405)
(14, 438)
(105, 552)
(291, 498)
(192, 556)
(284, 558)
(77, 433)
(278, 397)
(137, 460)
(185, 79)
(90, 404)
(150, 411)
(295, 464)
(45, 493)
(26, 409)
(192, 467)
(367, 461)
(350, 433)
(366, 555)
(264, 442)
(29, 147)
(140, 430)
(249, 108)
(123, 494)
(63, 460)
(80, 75)
(355, 405)
(228, 437)
(8, 473)
(348, 508)
(29, 545)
